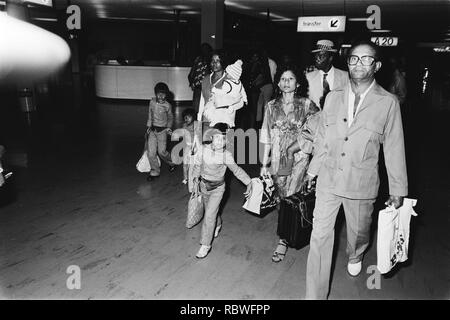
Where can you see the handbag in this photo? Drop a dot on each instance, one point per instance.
(295, 218)
(393, 235)
(195, 207)
(263, 198)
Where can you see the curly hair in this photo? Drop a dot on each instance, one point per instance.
(302, 90)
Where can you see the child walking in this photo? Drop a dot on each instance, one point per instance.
(159, 124)
(211, 162)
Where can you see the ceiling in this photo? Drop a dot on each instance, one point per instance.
(431, 17)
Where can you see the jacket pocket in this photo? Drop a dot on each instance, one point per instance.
(374, 127)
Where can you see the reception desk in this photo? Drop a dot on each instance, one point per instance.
(136, 82)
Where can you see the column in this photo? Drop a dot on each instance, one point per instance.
(212, 22)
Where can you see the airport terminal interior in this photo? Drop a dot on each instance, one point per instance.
(72, 141)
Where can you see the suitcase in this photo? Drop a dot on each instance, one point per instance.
(295, 218)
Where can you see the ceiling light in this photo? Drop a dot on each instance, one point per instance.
(182, 7)
(380, 30)
(190, 12)
(158, 7)
(141, 19)
(45, 19)
(236, 5)
(276, 16)
(358, 19)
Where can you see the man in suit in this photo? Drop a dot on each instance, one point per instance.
(355, 121)
(326, 77)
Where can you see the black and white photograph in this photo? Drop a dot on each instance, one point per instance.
(226, 156)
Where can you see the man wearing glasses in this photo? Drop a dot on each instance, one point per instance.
(355, 121)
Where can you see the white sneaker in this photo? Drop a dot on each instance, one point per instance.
(203, 251)
(216, 232)
(354, 268)
(184, 181)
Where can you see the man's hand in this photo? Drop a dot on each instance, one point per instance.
(310, 181)
(169, 131)
(248, 192)
(396, 201)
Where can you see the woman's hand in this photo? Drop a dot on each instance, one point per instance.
(248, 192)
(309, 181)
(264, 171)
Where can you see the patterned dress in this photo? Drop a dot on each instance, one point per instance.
(280, 130)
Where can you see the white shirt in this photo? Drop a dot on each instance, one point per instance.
(330, 78)
(351, 102)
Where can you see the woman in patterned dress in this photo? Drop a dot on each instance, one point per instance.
(289, 125)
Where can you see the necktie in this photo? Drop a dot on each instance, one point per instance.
(326, 89)
(355, 106)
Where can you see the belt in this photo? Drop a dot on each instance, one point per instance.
(211, 185)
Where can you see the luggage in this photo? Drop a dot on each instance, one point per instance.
(295, 218)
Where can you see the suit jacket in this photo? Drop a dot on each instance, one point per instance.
(315, 83)
(346, 158)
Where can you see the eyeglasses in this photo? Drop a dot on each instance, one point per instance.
(365, 60)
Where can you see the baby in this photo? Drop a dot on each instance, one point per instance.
(224, 102)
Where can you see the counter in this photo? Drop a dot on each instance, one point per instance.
(137, 82)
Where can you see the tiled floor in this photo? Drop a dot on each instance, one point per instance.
(80, 201)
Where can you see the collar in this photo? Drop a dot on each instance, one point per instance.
(329, 73)
(364, 93)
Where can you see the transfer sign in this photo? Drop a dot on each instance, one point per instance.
(321, 24)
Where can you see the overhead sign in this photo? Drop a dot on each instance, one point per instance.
(47, 3)
(321, 24)
(385, 41)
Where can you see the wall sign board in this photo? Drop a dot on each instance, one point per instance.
(321, 24)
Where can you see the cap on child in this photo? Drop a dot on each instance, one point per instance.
(235, 69)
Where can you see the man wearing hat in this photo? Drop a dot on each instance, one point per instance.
(326, 77)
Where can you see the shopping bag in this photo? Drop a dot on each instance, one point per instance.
(263, 198)
(253, 203)
(393, 235)
(195, 207)
(143, 164)
(295, 218)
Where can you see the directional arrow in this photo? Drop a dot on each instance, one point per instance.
(334, 23)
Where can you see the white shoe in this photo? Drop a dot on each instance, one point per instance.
(216, 232)
(184, 181)
(354, 268)
(203, 251)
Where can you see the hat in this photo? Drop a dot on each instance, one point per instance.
(324, 45)
(235, 70)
